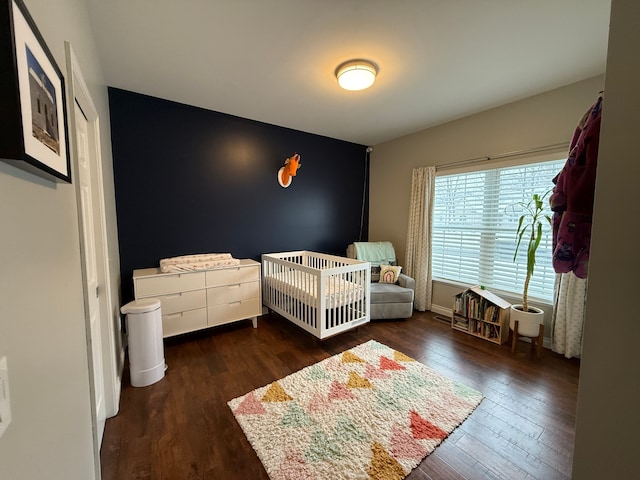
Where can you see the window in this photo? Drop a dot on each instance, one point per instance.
(474, 228)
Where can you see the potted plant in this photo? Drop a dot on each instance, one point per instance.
(530, 228)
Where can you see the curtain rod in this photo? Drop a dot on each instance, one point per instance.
(498, 156)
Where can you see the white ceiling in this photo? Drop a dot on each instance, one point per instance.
(274, 60)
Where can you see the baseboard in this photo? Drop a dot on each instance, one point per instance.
(441, 310)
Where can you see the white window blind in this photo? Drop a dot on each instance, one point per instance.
(474, 228)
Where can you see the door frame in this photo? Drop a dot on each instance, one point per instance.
(112, 351)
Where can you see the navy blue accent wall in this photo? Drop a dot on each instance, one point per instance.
(190, 180)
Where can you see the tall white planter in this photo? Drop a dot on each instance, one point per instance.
(528, 322)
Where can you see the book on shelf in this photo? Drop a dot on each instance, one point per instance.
(461, 323)
(478, 303)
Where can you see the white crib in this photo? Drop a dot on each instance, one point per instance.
(324, 294)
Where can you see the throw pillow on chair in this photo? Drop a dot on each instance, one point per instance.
(389, 273)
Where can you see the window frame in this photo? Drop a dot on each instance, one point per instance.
(492, 165)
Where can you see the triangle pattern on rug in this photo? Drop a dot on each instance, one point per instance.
(419, 381)
(334, 364)
(372, 372)
(293, 467)
(404, 445)
(350, 357)
(340, 392)
(322, 447)
(377, 346)
(383, 466)
(250, 406)
(346, 431)
(296, 417)
(387, 401)
(423, 429)
(356, 381)
(387, 364)
(401, 357)
(316, 372)
(463, 391)
(319, 403)
(404, 389)
(276, 393)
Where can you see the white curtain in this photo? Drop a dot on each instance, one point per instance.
(570, 294)
(418, 253)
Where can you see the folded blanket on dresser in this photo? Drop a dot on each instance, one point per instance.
(189, 263)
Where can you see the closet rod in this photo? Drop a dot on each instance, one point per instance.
(498, 156)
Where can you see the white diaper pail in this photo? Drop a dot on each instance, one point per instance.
(144, 331)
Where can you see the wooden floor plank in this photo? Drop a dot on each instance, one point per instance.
(182, 428)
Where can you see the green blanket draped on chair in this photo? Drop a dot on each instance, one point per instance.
(378, 253)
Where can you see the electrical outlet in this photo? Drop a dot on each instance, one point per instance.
(5, 405)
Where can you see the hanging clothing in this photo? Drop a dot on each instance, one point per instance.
(572, 197)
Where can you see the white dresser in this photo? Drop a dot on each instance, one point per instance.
(196, 300)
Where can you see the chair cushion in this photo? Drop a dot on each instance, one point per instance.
(390, 293)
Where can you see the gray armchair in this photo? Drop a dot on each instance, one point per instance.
(388, 300)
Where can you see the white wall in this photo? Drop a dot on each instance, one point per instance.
(546, 119)
(608, 417)
(42, 331)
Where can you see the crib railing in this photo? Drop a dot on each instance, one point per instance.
(324, 294)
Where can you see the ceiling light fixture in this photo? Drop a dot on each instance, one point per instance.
(356, 74)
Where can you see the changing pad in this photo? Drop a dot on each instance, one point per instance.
(190, 263)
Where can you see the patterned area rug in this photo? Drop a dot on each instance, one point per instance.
(370, 412)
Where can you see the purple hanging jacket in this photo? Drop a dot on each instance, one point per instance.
(572, 197)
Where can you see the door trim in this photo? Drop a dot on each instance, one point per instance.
(112, 351)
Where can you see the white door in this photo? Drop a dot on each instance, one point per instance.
(90, 259)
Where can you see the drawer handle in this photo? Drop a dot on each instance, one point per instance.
(174, 315)
(234, 286)
(174, 295)
(235, 304)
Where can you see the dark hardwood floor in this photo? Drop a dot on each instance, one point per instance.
(182, 428)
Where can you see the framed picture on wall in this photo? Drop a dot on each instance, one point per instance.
(33, 124)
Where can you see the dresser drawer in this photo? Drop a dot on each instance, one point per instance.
(162, 284)
(232, 293)
(183, 322)
(228, 276)
(229, 312)
(182, 301)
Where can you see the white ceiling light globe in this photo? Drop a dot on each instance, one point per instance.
(356, 74)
